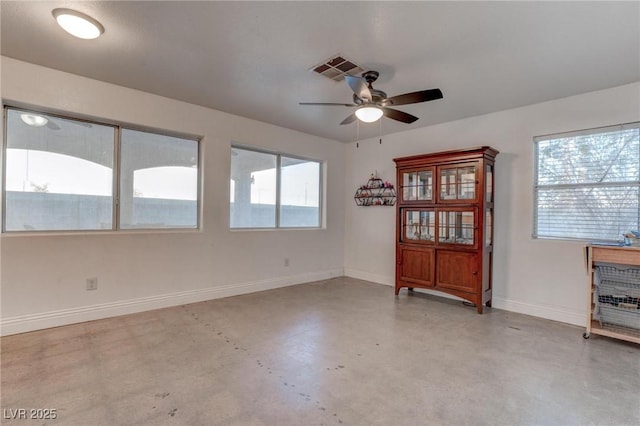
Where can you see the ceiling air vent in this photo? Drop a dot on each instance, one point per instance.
(336, 68)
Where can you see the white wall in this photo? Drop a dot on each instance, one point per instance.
(43, 277)
(537, 277)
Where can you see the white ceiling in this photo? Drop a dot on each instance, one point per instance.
(253, 58)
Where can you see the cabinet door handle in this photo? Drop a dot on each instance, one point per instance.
(474, 272)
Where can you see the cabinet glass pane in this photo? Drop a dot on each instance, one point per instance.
(448, 184)
(489, 227)
(467, 183)
(489, 181)
(456, 227)
(458, 183)
(419, 225)
(408, 186)
(425, 185)
(417, 185)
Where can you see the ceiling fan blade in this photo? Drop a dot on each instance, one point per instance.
(359, 87)
(415, 97)
(350, 119)
(326, 103)
(394, 114)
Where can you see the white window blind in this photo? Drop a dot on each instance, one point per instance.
(587, 183)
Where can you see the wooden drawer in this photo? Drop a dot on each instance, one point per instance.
(621, 255)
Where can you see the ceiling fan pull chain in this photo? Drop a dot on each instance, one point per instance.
(357, 133)
(380, 130)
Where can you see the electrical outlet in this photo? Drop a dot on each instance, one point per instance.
(92, 283)
(286, 261)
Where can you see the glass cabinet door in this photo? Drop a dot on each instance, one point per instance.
(458, 183)
(456, 227)
(417, 185)
(419, 225)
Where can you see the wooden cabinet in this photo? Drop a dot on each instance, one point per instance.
(417, 266)
(458, 271)
(444, 230)
(614, 292)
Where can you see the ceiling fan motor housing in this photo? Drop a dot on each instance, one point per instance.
(377, 97)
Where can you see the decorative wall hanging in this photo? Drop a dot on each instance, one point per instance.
(376, 192)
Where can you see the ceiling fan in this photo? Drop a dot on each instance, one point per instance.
(373, 103)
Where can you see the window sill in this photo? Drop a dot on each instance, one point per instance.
(14, 234)
(317, 228)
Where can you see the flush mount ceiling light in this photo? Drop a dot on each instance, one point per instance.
(34, 119)
(369, 114)
(78, 24)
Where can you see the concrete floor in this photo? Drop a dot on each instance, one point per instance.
(341, 351)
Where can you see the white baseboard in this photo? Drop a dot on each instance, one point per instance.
(368, 276)
(541, 311)
(32, 322)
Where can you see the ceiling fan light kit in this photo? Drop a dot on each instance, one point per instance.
(369, 114)
(373, 104)
(78, 24)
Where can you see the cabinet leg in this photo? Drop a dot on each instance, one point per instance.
(488, 304)
(397, 290)
(480, 308)
(410, 288)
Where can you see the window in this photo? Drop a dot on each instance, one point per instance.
(299, 192)
(253, 186)
(158, 181)
(58, 173)
(270, 190)
(59, 176)
(587, 183)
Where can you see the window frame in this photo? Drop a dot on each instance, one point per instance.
(116, 178)
(537, 186)
(195, 139)
(279, 155)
